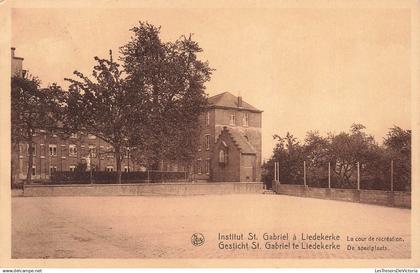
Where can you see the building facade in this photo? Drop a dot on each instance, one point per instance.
(52, 153)
(230, 147)
(231, 141)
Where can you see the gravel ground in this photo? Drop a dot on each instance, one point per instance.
(162, 227)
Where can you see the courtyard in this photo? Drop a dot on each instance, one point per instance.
(231, 225)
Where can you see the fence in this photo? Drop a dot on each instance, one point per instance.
(101, 177)
(359, 176)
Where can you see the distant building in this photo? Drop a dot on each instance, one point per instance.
(52, 153)
(230, 147)
(17, 69)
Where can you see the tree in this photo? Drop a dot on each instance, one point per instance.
(316, 152)
(32, 109)
(151, 106)
(104, 107)
(398, 147)
(346, 149)
(172, 80)
(289, 153)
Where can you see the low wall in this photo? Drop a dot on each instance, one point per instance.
(143, 189)
(384, 198)
(295, 190)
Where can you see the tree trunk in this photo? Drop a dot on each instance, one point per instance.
(30, 161)
(119, 161)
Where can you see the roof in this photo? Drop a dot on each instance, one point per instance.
(240, 141)
(230, 101)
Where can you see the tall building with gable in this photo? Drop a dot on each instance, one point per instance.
(231, 141)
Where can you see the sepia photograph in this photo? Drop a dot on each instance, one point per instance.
(222, 132)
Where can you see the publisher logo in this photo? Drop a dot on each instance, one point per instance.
(197, 239)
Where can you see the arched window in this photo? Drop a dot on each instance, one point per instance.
(222, 156)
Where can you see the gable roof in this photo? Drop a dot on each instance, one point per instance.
(240, 141)
(230, 101)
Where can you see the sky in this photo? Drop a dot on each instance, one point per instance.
(307, 69)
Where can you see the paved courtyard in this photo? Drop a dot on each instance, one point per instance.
(232, 225)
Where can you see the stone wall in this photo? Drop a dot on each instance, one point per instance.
(144, 189)
(376, 197)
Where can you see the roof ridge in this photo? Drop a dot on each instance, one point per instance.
(220, 94)
(228, 100)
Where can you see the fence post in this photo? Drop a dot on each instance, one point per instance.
(329, 175)
(275, 171)
(278, 172)
(358, 176)
(392, 175)
(148, 176)
(304, 173)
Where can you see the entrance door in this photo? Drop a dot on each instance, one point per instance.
(248, 168)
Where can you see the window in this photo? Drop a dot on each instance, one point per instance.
(21, 149)
(109, 168)
(232, 120)
(33, 170)
(207, 142)
(207, 166)
(33, 149)
(72, 168)
(63, 151)
(208, 118)
(126, 169)
(199, 171)
(53, 150)
(72, 150)
(101, 152)
(222, 157)
(109, 152)
(90, 136)
(245, 119)
(92, 151)
(73, 135)
(42, 150)
(53, 169)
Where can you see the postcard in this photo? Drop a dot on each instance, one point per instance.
(222, 134)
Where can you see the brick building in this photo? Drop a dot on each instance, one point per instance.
(231, 138)
(230, 147)
(52, 153)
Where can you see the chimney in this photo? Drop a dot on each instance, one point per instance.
(239, 101)
(13, 51)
